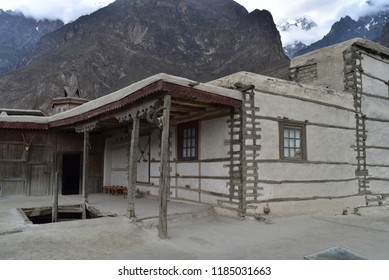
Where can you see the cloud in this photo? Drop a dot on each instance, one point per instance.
(323, 13)
(65, 10)
(363, 8)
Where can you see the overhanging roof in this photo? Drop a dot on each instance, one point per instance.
(123, 98)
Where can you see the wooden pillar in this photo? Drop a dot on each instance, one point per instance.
(164, 179)
(85, 165)
(54, 211)
(86, 128)
(132, 164)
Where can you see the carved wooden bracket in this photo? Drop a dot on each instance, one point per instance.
(86, 127)
(151, 111)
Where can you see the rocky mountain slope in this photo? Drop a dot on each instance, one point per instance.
(18, 35)
(131, 39)
(291, 49)
(369, 27)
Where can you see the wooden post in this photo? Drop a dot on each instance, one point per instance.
(85, 174)
(164, 179)
(132, 165)
(54, 212)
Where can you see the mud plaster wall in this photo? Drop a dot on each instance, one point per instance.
(330, 67)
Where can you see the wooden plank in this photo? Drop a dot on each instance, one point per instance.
(132, 165)
(164, 169)
(203, 115)
(39, 180)
(187, 107)
(54, 214)
(191, 104)
(13, 186)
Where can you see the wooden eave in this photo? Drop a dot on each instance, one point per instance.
(187, 102)
(191, 94)
(24, 125)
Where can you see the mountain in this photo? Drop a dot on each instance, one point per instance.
(291, 49)
(18, 35)
(130, 40)
(384, 40)
(369, 27)
(300, 24)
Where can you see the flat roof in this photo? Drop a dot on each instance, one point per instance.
(21, 112)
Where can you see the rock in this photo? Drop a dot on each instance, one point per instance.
(130, 40)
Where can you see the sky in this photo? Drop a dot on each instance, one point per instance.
(323, 12)
(65, 10)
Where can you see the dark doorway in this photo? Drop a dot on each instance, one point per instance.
(71, 169)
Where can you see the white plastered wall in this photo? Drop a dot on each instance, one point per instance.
(328, 172)
(204, 180)
(326, 181)
(116, 160)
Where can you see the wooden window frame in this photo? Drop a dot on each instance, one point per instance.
(180, 141)
(303, 139)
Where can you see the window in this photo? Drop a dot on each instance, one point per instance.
(292, 141)
(187, 141)
(61, 109)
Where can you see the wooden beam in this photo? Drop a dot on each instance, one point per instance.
(85, 164)
(201, 115)
(132, 165)
(186, 108)
(164, 179)
(191, 104)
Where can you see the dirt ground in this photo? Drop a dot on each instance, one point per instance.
(194, 232)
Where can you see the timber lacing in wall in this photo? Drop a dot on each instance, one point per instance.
(353, 83)
(244, 132)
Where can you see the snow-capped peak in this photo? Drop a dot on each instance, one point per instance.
(301, 23)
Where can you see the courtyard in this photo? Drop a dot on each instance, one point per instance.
(194, 232)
